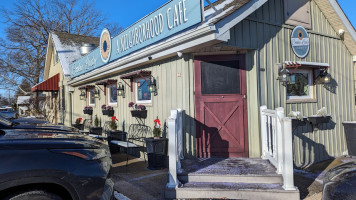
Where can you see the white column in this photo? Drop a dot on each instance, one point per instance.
(280, 117)
(288, 182)
(263, 131)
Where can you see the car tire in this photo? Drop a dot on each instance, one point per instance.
(34, 195)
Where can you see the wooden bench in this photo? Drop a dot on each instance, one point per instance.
(135, 139)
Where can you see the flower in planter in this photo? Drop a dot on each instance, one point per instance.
(141, 107)
(88, 108)
(103, 107)
(136, 107)
(109, 108)
(131, 104)
(78, 120)
(157, 128)
(113, 124)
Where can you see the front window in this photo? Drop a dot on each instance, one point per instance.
(143, 94)
(112, 94)
(91, 97)
(300, 85)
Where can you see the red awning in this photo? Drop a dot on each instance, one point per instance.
(48, 85)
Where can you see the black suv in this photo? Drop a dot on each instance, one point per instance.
(42, 164)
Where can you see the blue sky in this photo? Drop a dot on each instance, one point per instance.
(127, 12)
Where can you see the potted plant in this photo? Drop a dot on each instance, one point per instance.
(156, 148)
(78, 125)
(88, 110)
(103, 109)
(96, 129)
(138, 111)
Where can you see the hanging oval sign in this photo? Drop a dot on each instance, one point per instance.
(105, 45)
(300, 41)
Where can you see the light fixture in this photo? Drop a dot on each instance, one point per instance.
(283, 75)
(325, 77)
(96, 93)
(54, 93)
(153, 86)
(121, 90)
(82, 95)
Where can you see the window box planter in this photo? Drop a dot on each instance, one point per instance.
(105, 112)
(157, 152)
(78, 126)
(139, 113)
(88, 112)
(299, 122)
(318, 119)
(95, 130)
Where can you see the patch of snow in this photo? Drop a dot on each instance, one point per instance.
(119, 196)
(66, 53)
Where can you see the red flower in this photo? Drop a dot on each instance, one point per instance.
(80, 119)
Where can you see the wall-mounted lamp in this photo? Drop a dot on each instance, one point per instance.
(96, 93)
(283, 75)
(82, 95)
(325, 77)
(153, 86)
(54, 93)
(121, 90)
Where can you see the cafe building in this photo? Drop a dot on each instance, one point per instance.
(220, 64)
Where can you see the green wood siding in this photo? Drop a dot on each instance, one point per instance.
(173, 92)
(265, 32)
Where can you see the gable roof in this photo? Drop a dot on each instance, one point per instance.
(68, 47)
(338, 20)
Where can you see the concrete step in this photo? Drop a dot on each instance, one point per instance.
(231, 178)
(253, 191)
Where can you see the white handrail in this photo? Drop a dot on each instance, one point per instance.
(175, 146)
(276, 135)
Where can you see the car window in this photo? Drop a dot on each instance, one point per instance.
(5, 121)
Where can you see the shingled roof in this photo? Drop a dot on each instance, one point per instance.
(68, 47)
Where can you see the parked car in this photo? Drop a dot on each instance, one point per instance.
(52, 165)
(340, 182)
(21, 124)
(10, 112)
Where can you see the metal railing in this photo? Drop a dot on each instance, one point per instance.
(276, 136)
(175, 146)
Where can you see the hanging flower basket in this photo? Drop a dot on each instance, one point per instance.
(139, 113)
(88, 112)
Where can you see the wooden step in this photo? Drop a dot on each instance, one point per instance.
(253, 191)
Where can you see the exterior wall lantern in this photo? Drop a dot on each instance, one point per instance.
(325, 77)
(96, 93)
(82, 95)
(153, 86)
(283, 75)
(121, 90)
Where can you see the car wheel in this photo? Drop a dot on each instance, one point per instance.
(34, 195)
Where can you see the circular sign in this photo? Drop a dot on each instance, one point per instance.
(105, 45)
(300, 42)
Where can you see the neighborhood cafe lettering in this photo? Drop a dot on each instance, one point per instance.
(153, 27)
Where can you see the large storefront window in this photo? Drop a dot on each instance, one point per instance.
(143, 94)
(300, 85)
(91, 97)
(112, 94)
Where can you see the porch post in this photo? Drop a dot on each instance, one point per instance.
(263, 132)
(288, 183)
(280, 142)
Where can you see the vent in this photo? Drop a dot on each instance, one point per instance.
(86, 48)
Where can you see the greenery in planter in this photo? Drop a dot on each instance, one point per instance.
(96, 121)
(113, 124)
(78, 120)
(157, 128)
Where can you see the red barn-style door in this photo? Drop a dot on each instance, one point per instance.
(221, 110)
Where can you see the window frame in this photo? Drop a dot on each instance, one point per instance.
(90, 91)
(109, 94)
(311, 95)
(149, 102)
